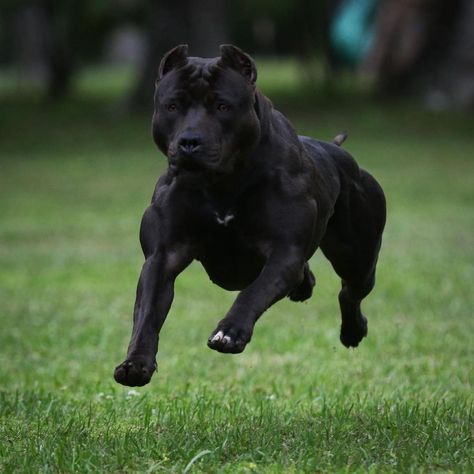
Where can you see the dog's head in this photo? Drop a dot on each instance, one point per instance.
(205, 119)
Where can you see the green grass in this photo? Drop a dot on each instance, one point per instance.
(74, 180)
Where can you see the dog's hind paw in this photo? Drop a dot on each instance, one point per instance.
(134, 373)
(352, 333)
(304, 290)
(230, 341)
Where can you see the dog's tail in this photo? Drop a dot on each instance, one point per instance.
(340, 138)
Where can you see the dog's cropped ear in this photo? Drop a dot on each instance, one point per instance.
(240, 61)
(174, 58)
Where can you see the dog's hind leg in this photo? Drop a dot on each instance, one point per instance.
(352, 243)
(305, 289)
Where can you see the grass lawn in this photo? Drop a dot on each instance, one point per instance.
(74, 180)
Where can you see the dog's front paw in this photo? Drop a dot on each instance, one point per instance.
(353, 332)
(134, 372)
(229, 339)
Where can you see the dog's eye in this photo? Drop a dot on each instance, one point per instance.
(172, 107)
(223, 107)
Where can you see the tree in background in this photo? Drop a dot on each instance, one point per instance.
(203, 25)
(263, 26)
(48, 40)
(425, 46)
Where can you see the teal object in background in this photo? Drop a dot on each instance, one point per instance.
(352, 30)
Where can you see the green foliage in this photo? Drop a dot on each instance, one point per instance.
(75, 179)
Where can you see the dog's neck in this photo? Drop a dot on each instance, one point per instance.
(226, 193)
(263, 107)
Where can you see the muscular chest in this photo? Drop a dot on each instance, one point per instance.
(230, 247)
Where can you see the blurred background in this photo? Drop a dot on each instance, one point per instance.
(416, 48)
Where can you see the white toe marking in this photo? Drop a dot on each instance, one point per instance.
(224, 220)
(218, 337)
(226, 339)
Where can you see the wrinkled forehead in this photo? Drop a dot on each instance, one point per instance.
(201, 77)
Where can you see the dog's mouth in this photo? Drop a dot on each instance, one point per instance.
(195, 164)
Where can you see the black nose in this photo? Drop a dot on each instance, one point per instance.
(190, 144)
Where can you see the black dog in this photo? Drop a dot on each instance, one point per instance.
(250, 200)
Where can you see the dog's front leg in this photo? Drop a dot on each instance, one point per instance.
(153, 301)
(155, 293)
(283, 271)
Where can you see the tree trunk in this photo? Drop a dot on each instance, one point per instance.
(426, 47)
